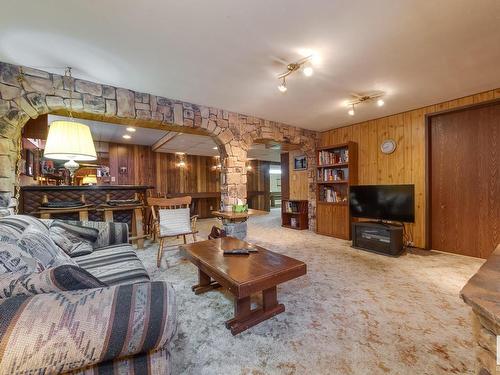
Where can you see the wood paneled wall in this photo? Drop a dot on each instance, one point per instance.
(285, 176)
(258, 188)
(408, 163)
(299, 185)
(139, 161)
(145, 167)
(197, 177)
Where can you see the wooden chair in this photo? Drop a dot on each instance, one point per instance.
(158, 204)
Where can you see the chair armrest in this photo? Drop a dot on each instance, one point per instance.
(194, 220)
(66, 331)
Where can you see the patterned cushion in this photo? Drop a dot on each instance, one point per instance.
(59, 332)
(74, 240)
(155, 362)
(15, 225)
(55, 279)
(40, 246)
(13, 259)
(109, 233)
(174, 222)
(115, 265)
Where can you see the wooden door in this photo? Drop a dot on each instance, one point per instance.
(465, 180)
(285, 181)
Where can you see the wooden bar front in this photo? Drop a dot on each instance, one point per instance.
(32, 196)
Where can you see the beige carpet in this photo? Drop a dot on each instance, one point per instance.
(353, 313)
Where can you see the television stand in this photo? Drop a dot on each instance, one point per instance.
(379, 237)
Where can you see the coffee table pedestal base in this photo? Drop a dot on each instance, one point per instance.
(238, 325)
(245, 317)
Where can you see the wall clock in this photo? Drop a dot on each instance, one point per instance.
(388, 146)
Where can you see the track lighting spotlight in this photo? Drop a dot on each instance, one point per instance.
(282, 86)
(308, 71)
(303, 64)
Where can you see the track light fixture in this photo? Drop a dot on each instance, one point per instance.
(304, 64)
(362, 98)
(282, 86)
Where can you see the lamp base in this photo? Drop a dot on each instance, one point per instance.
(71, 166)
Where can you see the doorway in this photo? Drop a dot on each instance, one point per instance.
(464, 180)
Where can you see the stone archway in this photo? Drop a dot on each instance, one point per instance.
(27, 93)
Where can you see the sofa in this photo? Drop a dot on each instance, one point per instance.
(92, 311)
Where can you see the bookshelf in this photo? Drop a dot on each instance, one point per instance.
(337, 169)
(294, 214)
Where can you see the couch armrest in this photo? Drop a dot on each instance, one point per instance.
(109, 233)
(65, 331)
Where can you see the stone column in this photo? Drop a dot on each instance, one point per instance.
(234, 177)
(8, 157)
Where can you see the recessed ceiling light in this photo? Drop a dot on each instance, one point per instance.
(126, 136)
(215, 148)
(380, 102)
(131, 129)
(308, 71)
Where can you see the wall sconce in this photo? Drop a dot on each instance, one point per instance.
(248, 166)
(180, 160)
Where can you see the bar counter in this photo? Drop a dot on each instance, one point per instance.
(32, 196)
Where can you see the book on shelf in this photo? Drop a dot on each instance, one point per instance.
(330, 195)
(291, 207)
(340, 156)
(335, 174)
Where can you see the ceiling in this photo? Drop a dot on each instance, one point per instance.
(227, 53)
(180, 142)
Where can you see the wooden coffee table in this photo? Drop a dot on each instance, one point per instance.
(243, 275)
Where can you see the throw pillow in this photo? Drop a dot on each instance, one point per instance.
(60, 278)
(13, 259)
(41, 247)
(15, 225)
(74, 240)
(175, 221)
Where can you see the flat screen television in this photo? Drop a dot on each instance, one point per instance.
(383, 202)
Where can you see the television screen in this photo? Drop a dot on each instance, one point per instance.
(383, 202)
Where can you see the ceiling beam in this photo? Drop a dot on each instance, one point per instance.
(164, 140)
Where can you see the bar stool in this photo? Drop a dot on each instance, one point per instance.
(47, 209)
(136, 206)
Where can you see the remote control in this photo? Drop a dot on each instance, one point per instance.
(236, 252)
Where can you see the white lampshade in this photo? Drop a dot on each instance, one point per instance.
(68, 140)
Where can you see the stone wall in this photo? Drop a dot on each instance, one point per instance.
(27, 93)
